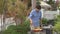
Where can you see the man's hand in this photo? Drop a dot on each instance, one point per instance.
(30, 21)
(41, 23)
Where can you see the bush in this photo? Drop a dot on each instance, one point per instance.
(10, 29)
(19, 29)
(44, 21)
(57, 25)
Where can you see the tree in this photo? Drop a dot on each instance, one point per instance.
(1, 6)
(16, 9)
(11, 8)
(29, 4)
(38, 3)
(53, 4)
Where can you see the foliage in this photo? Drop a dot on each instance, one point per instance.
(44, 21)
(29, 4)
(59, 8)
(50, 2)
(16, 9)
(19, 29)
(10, 8)
(38, 3)
(1, 6)
(58, 18)
(27, 24)
(13, 0)
(53, 4)
(10, 29)
(57, 25)
(20, 11)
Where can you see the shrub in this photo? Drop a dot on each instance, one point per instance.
(44, 21)
(57, 25)
(19, 29)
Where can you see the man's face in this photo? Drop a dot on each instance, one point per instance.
(37, 10)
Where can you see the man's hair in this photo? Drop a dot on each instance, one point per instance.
(38, 6)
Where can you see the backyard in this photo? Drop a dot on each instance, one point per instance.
(14, 17)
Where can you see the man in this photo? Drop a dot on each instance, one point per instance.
(35, 17)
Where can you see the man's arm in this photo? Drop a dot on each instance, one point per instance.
(30, 17)
(41, 22)
(41, 19)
